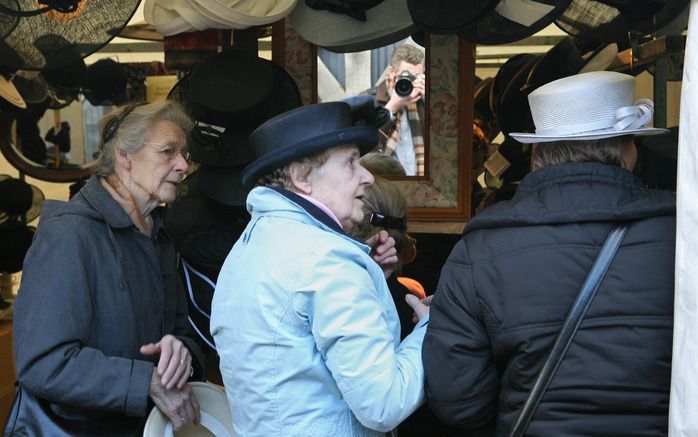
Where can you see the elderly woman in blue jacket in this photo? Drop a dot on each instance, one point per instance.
(304, 323)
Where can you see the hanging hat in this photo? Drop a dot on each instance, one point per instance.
(657, 160)
(105, 83)
(482, 112)
(447, 16)
(203, 232)
(503, 77)
(40, 41)
(16, 239)
(588, 106)
(65, 81)
(304, 131)
(387, 21)
(600, 21)
(512, 20)
(220, 135)
(512, 109)
(223, 184)
(18, 199)
(565, 59)
(245, 14)
(215, 415)
(31, 86)
(10, 94)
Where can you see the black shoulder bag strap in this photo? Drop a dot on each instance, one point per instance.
(569, 328)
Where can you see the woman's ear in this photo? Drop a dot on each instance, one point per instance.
(122, 158)
(300, 178)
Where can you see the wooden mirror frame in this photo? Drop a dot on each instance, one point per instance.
(443, 194)
(8, 149)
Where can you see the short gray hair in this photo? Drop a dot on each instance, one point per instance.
(605, 150)
(281, 177)
(127, 126)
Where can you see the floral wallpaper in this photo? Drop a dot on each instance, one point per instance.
(440, 188)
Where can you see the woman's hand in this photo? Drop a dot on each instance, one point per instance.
(383, 251)
(420, 307)
(179, 405)
(174, 365)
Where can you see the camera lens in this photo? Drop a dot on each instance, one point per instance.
(403, 87)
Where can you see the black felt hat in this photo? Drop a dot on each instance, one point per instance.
(202, 232)
(386, 22)
(447, 16)
(220, 136)
(612, 20)
(16, 239)
(507, 21)
(19, 199)
(503, 77)
(36, 35)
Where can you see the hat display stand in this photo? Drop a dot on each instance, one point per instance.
(36, 35)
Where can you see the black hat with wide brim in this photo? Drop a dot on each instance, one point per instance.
(305, 131)
(510, 21)
(200, 233)
(503, 77)
(19, 199)
(40, 41)
(220, 136)
(600, 21)
(447, 16)
(387, 22)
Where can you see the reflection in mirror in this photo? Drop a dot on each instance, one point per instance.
(395, 76)
(60, 138)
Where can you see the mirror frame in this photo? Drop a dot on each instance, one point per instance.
(443, 193)
(9, 151)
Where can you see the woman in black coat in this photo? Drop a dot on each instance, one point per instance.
(510, 281)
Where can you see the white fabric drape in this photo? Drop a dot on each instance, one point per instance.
(683, 420)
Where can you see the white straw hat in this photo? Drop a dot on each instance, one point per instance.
(215, 415)
(588, 106)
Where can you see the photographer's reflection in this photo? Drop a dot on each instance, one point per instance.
(400, 102)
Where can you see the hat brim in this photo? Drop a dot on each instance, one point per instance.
(528, 138)
(215, 414)
(364, 137)
(386, 23)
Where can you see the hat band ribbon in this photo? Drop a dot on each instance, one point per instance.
(627, 118)
(634, 117)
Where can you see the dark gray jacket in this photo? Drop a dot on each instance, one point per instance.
(508, 285)
(94, 289)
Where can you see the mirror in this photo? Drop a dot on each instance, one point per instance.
(396, 78)
(56, 144)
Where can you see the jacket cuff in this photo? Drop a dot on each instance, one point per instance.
(139, 388)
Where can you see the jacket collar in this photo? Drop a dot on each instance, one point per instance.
(311, 209)
(576, 193)
(111, 212)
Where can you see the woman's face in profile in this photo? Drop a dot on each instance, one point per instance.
(158, 167)
(339, 184)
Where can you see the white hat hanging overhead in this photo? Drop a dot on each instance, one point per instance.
(171, 17)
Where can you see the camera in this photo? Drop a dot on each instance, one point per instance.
(403, 85)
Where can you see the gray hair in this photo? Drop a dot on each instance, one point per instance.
(382, 164)
(126, 128)
(407, 53)
(281, 177)
(605, 150)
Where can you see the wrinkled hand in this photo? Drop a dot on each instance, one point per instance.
(383, 251)
(420, 307)
(179, 405)
(174, 365)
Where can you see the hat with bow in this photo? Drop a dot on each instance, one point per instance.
(588, 106)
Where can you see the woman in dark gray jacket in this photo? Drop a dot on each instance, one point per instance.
(100, 324)
(511, 280)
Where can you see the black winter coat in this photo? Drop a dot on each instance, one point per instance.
(508, 285)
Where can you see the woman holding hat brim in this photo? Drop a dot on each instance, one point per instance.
(304, 323)
(510, 281)
(100, 323)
